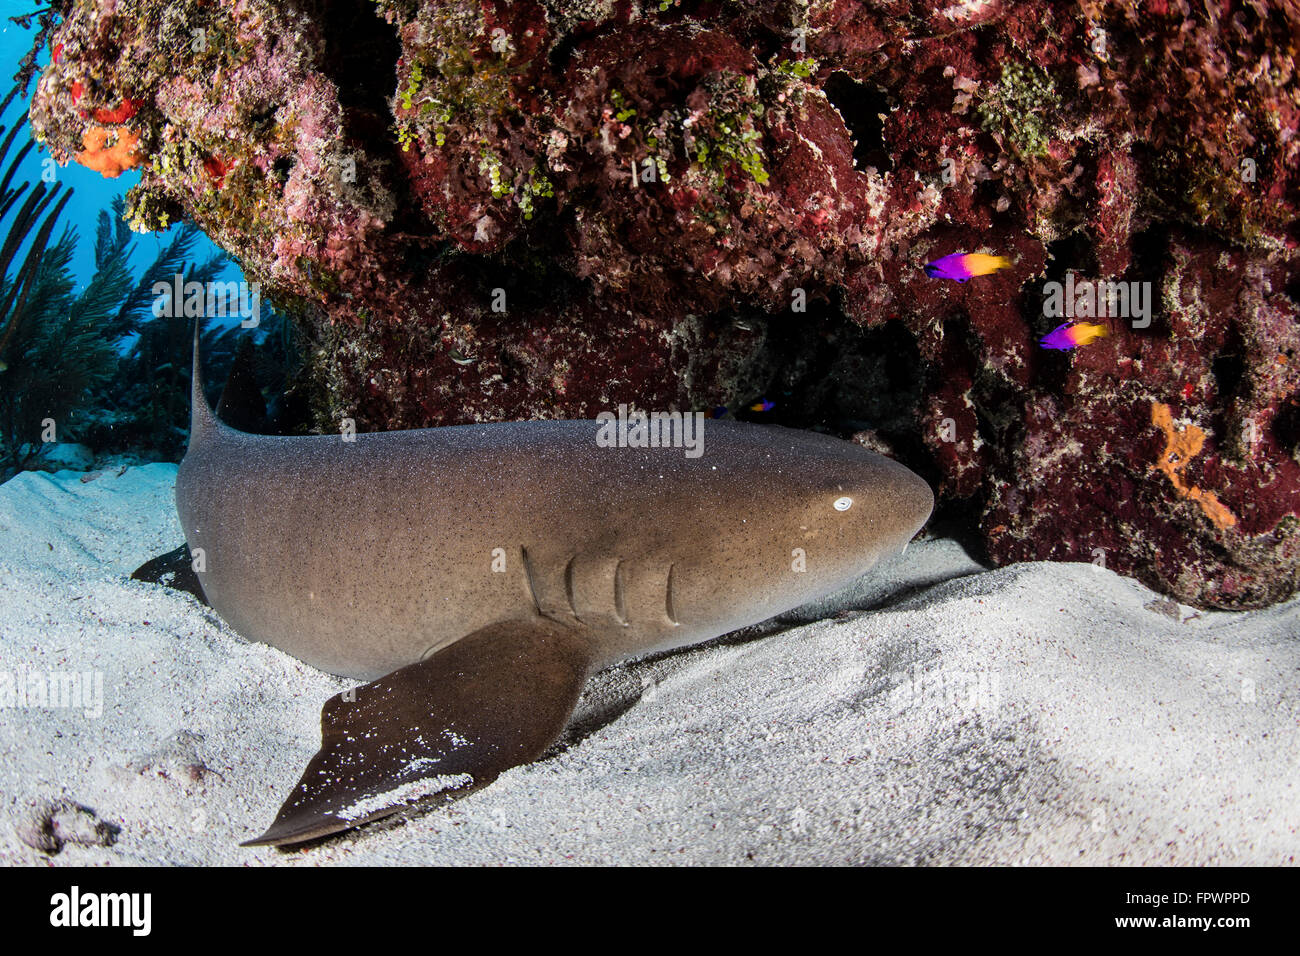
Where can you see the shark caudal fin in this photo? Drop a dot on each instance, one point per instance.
(202, 419)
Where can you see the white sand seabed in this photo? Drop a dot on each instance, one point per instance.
(1040, 713)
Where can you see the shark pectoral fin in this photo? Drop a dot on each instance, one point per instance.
(491, 701)
(175, 569)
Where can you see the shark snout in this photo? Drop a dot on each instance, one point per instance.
(910, 503)
(885, 504)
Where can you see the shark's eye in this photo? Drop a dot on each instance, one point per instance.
(843, 504)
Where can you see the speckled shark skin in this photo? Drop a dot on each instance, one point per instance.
(488, 570)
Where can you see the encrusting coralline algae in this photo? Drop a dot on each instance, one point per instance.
(489, 211)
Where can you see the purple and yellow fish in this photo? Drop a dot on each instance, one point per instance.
(762, 405)
(1066, 336)
(964, 266)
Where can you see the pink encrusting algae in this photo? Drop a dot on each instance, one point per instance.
(503, 211)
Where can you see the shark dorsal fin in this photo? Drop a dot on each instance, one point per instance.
(202, 419)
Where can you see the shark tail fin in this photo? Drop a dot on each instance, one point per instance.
(202, 419)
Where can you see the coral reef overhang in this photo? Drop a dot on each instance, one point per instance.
(484, 210)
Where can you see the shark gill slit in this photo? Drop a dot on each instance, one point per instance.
(568, 589)
(620, 605)
(669, 607)
(528, 579)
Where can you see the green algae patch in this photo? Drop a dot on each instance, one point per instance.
(1023, 107)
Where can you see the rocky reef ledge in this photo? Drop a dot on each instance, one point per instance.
(483, 210)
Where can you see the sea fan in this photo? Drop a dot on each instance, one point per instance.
(53, 353)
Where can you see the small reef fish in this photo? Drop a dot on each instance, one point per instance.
(721, 411)
(963, 266)
(1066, 336)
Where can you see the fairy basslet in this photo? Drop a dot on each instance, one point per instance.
(1067, 336)
(962, 266)
(762, 405)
